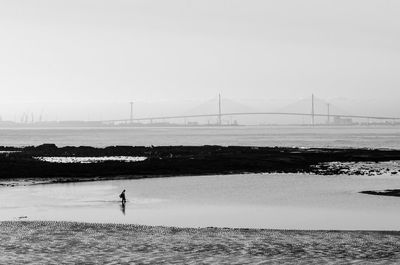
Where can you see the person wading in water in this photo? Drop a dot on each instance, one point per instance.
(122, 196)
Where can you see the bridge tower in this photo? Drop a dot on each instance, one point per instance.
(329, 113)
(219, 110)
(312, 110)
(131, 116)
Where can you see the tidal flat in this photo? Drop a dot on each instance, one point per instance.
(91, 243)
(164, 161)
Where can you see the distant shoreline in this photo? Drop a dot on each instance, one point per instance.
(75, 124)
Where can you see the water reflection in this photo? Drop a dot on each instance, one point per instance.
(89, 159)
(123, 208)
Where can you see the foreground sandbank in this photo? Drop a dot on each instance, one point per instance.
(76, 243)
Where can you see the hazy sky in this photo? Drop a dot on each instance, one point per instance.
(122, 50)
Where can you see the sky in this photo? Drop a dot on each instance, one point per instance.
(76, 58)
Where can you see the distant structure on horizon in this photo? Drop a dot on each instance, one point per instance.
(218, 118)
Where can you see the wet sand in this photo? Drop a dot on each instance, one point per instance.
(84, 243)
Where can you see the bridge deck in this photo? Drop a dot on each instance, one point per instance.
(253, 113)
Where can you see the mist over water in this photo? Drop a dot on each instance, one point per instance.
(302, 74)
(299, 136)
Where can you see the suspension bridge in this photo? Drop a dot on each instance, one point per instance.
(220, 115)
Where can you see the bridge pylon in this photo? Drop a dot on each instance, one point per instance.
(219, 110)
(312, 110)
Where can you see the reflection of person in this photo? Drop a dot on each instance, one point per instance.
(123, 208)
(122, 196)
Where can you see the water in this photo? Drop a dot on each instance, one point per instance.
(90, 159)
(347, 136)
(287, 201)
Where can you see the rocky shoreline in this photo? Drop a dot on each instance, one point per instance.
(22, 163)
(393, 193)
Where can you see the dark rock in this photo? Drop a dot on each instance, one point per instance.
(184, 160)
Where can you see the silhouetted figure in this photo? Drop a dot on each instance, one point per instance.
(123, 198)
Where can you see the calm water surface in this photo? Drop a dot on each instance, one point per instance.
(288, 201)
(350, 136)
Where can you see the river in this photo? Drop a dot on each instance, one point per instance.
(305, 136)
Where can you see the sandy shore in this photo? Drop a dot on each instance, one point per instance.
(82, 243)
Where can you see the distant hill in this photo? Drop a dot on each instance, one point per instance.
(320, 107)
(227, 106)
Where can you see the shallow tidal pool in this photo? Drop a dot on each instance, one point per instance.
(281, 201)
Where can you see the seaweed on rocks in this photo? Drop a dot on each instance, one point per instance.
(178, 160)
